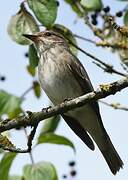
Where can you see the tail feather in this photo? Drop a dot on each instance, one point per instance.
(111, 156)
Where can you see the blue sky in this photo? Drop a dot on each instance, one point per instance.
(90, 165)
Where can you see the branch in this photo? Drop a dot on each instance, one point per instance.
(121, 29)
(30, 138)
(114, 45)
(33, 118)
(104, 43)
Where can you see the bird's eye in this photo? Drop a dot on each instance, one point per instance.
(48, 34)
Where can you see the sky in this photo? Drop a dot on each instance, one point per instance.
(90, 164)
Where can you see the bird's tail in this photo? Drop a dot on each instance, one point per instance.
(111, 156)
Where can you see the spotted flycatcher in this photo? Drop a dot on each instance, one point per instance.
(62, 76)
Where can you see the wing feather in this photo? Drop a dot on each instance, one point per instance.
(79, 131)
(83, 80)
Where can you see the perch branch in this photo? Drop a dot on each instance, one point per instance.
(32, 118)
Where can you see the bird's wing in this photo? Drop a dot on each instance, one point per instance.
(82, 78)
(107, 149)
(79, 131)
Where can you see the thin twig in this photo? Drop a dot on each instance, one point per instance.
(26, 92)
(31, 136)
(29, 149)
(85, 39)
(25, 131)
(107, 67)
(114, 105)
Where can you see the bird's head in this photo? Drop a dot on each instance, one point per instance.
(45, 39)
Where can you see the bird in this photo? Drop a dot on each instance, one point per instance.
(62, 76)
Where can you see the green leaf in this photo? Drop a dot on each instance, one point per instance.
(44, 10)
(1, 151)
(30, 4)
(15, 177)
(22, 23)
(67, 34)
(10, 104)
(33, 57)
(5, 164)
(31, 70)
(75, 7)
(37, 89)
(92, 4)
(126, 18)
(55, 139)
(50, 125)
(40, 171)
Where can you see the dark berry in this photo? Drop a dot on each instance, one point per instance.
(18, 128)
(119, 13)
(97, 11)
(94, 22)
(64, 176)
(26, 54)
(73, 173)
(72, 163)
(57, 2)
(106, 9)
(2, 78)
(94, 16)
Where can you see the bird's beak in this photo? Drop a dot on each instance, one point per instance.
(31, 37)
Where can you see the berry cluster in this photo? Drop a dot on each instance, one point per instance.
(94, 19)
(106, 10)
(73, 172)
(119, 13)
